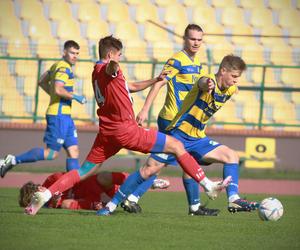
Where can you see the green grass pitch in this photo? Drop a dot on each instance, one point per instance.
(164, 224)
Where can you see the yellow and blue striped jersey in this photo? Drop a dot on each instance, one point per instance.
(198, 107)
(184, 71)
(60, 71)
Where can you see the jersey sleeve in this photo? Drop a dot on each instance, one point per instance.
(173, 66)
(51, 179)
(61, 75)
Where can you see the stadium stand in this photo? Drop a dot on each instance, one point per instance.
(139, 24)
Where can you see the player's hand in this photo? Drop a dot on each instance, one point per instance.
(79, 98)
(210, 85)
(162, 75)
(142, 117)
(97, 205)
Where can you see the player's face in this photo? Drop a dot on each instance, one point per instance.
(115, 55)
(71, 55)
(230, 77)
(193, 41)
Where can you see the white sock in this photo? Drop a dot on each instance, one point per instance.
(13, 161)
(47, 195)
(206, 183)
(233, 197)
(133, 198)
(111, 206)
(195, 207)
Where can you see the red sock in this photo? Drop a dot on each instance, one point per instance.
(119, 177)
(191, 167)
(65, 182)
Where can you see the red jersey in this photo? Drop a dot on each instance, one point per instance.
(112, 96)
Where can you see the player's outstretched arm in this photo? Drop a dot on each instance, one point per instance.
(143, 114)
(62, 92)
(44, 82)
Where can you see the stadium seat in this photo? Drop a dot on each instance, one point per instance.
(246, 38)
(271, 79)
(204, 16)
(163, 3)
(43, 102)
(26, 68)
(10, 28)
(261, 18)
(30, 85)
(59, 10)
(136, 50)
(278, 4)
(273, 97)
(117, 11)
(79, 111)
(39, 29)
(88, 91)
(84, 69)
(253, 54)
(48, 48)
(223, 3)
(294, 31)
(175, 14)
(31, 9)
(245, 96)
(154, 33)
(68, 29)
(194, 3)
(227, 113)
(13, 104)
(143, 71)
(97, 29)
(146, 11)
(271, 31)
(88, 12)
(295, 97)
(18, 47)
(126, 31)
(7, 10)
(254, 4)
(162, 51)
(250, 112)
(282, 55)
(290, 77)
(284, 112)
(288, 17)
(221, 50)
(232, 17)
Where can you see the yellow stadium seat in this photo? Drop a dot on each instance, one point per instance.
(88, 12)
(154, 33)
(18, 47)
(31, 9)
(221, 50)
(227, 113)
(278, 4)
(5, 77)
(244, 81)
(254, 4)
(270, 78)
(282, 55)
(127, 30)
(84, 69)
(245, 96)
(253, 54)
(232, 16)
(158, 102)
(246, 37)
(271, 31)
(146, 11)
(68, 29)
(163, 3)
(294, 31)
(7, 10)
(97, 29)
(43, 102)
(12, 102)
(59, 10)
(290, 76)
(39, 28)
(179, 32)
(204, 16)
(251, 112)
(79, 111)
(175, 14)
(284, 112)
(30, 85)
(26, 68)
(143, 71)
(88, 91)
(194, 3)
(136, 50)
(117, 11)
(261, 17)
(256, 74)
(138, 102)
(134, 2)
(273, 97)
(48, 48)
(288, 17)
(295, 97)
(223, 3)
(10, 28)
(162, 51)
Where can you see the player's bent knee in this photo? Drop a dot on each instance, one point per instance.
(174, 146)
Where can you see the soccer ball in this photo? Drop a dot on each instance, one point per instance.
(270, 209)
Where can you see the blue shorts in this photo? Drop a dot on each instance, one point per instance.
(196, 147)
(60, 132)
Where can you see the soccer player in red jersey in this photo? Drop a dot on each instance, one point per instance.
(91, 193)
(118, 129)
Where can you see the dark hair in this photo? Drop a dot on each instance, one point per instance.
(71, 44)
(232, 62)
(192, 27)
(107, 43)
(26, 193)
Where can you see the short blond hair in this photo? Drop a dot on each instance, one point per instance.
(232, 62)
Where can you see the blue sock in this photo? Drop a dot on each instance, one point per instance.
(142, 188)
(35, 154)
(233, 170)
(72, 163)
(127, 188)
(192, 191)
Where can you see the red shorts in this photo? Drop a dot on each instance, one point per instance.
(128, 135)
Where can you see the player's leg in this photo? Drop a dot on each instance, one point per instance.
(230, 159)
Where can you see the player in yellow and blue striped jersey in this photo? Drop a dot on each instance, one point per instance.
(206, 97)
(58, 82)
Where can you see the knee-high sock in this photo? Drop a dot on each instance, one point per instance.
(191, 167)
(131, 184)
(192, 191)
(65, 182)
(233, 170)
(142, 188)
(34, 154)
(72, 163)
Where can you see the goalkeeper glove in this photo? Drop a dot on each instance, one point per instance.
(79, 98)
